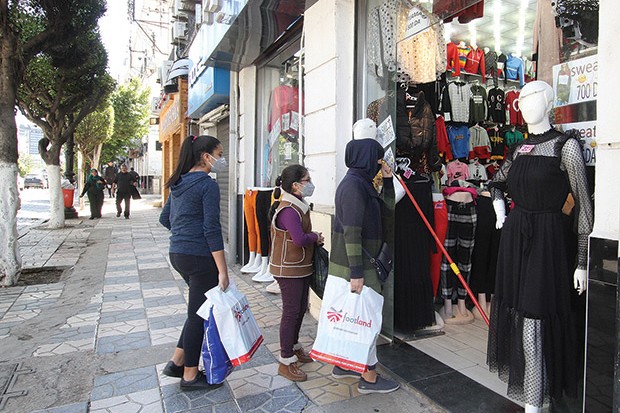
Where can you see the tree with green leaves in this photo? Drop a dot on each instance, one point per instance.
(58, 91)
(92, 133)
(56, 43)
(131, 120)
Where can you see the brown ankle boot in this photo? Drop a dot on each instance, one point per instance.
(292, 372)
(302, 357)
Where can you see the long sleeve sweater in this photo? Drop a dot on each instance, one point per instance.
(192, 214)
(360, 222)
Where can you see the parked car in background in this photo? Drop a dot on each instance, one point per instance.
(20, 182)
(35, 181)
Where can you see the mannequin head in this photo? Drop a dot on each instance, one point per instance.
(535, 102)
(364, 128)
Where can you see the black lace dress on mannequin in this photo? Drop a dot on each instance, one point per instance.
(532, 343)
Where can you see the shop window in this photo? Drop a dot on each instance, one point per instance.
(280, 114)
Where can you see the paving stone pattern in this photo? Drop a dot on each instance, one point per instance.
(142, 304)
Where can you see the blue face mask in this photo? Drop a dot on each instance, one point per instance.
(307, 190)
(219, 165)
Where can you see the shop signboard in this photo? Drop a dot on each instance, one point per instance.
(208, 90)
(171, 118)
(575, 85)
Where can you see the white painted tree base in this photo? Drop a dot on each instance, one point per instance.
(10, 258)
(57, 205)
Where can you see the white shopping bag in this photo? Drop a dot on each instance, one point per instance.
(236, 324)
(349, 325)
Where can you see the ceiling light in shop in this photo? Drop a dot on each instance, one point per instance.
(473, 34)
(497, 24)
(521, 30)
(447, 32)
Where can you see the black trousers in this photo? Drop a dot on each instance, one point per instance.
(263, 203)
(200, 274)
(95, 199)
(120, 197)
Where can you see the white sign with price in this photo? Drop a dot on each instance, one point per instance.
(576, 81)
(417, 22)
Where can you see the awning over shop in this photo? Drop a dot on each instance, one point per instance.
(208, 91)
(257, 26)
(179, 68)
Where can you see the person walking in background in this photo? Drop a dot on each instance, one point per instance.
(110, 175)
(94, 187)
(192, 214)
(135, 175)
(122, 185)
(290, 262)
(360, 222)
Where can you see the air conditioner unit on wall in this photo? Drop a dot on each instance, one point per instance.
(198, 14)
(179, 31)
(212, 6)
(188, 5)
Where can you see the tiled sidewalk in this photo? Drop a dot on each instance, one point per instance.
(142, 304)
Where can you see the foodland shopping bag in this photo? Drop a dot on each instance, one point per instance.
(216, 362)
(237, 326)
(349, 325)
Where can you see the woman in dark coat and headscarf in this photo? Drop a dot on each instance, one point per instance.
(361, 221)
(94, 188)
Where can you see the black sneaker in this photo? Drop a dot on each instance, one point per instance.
(340, 373)
(118, 214)
(172, 370)
(380, 386)
(199, 383)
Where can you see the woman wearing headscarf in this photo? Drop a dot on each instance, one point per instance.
(362, 219)
(94, 188)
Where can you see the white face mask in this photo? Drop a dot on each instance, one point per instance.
(219, 165)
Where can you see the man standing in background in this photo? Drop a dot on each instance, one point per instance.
(110, 176)
(122, 184)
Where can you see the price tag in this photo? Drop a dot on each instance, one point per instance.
(526, 148)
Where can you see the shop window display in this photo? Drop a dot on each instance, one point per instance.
(280, 125)
(405, 56)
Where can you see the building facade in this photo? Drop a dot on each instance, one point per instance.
(248, 55)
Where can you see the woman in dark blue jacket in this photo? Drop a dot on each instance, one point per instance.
(192, 214)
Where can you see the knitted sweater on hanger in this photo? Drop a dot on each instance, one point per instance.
(460, 94)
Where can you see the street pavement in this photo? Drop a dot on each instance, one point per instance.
(97, 340)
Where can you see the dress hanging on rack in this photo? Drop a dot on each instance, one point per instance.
(413, 287)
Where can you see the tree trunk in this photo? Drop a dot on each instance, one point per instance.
(51, 157)
(97, 156)
(10, 257)
(80, 177)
